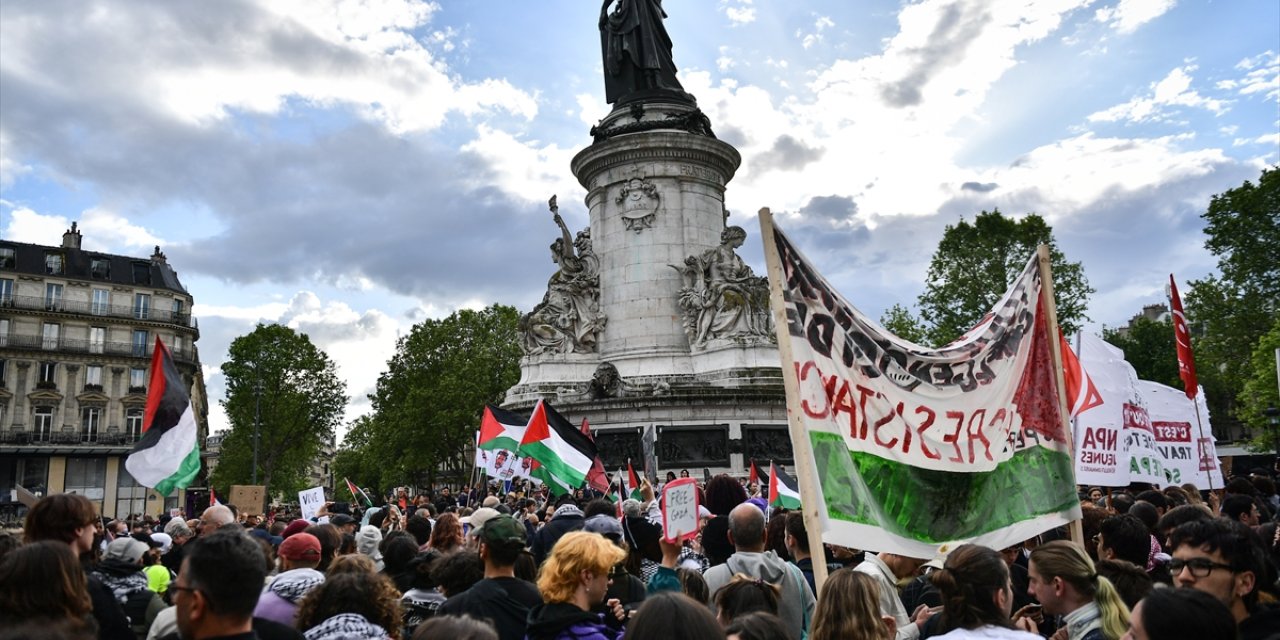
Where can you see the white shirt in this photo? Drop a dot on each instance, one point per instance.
(890, 603)
(988, 632)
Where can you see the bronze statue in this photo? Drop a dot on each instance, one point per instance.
(637, 50)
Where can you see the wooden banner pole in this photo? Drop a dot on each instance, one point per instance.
(1055, 351)
(811, 505)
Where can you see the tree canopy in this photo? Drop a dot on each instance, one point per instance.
(428, 403)
(302, 401)
(975, 263)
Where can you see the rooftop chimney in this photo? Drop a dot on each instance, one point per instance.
(158, 257)
(71, 238)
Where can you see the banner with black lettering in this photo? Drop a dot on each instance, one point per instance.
(917, 448)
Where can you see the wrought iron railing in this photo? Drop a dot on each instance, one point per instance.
(61, 305)
(71, 345)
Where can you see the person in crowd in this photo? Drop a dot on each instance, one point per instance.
(179, 533)
(1175, 614)
(758, 626)
(473, 522)
(977, 596)
(419, 526)
(445, 501)
(330, 541)
(458, 571)
(623, 586)
(455, 628)
(345, 524)
(1178, 516)
(888, 569)
(797, 542)
(744, 595)
(1127, 538)
(446, 534)
(217, 587)
(367, 541)
(1065, 581)
(422, 600)
(573, 581)
(121, 572)
(722, 493)
(672, 616)
(71, 519)
(746, 532)
(566, 518)
(42, 584)
(398, 550)
(351, 606)
(299, 557)
(1155, 498)
(775, 532)
(1130, 580)
(215, 517)
(693, 585)
(1223, 558)
(158, 576)
(849, 609)
(352, 563)
(1242, 509)
(500, 596)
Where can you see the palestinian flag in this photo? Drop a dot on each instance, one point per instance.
(358, 494)
(634, 481)
(754, 478)
(783, 491)
(566, 455)
(596, 478)
(213, 498)
(501, 429)
(168, 456)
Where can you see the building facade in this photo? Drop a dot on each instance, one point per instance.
(77, 331)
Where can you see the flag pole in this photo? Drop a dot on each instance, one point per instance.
(1055, 354)
(806, 471)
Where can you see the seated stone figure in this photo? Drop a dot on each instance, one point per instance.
(721, 296)
(568, 320)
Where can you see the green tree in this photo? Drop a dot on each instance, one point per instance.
(899, 321)
(1260, 390)
(1243, 225)
(301, 400)
(428, 403)
(975, 263)
(1149, 346)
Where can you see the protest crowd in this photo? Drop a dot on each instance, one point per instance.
(485, 564)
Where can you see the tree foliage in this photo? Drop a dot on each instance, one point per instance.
(302, 402)
(899, 321)
(1149, 346)
(975, 263)
(1260, 390)
(1243, 225)
(428, 403)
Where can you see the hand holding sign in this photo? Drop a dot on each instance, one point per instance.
(680, 510)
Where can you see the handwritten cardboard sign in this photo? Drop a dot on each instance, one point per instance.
(311, 500)
(248, 498)
(680, 510)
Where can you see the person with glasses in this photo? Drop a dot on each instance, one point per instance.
(217, 589)
(1224, 559)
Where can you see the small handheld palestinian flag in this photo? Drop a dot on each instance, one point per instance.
(358, 494)
(634, 481)
(168, 456)
(783, 493)
(754, 478)
(213, 498)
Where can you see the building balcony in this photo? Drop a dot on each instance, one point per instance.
(24, 342)
(66, 442)
(149, 314)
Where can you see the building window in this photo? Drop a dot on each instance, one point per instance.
(47, 371)
(3, 370)
(97, 339)
(53, 297)
(133, 424)
(31, 474)
(177, 308)
(137, 378)
(177, 344)
(4, 332)
(141, 306)
(131, 497)
(53, 263)
(87, 477)
(90, 422)
(50, 333)
(139, 342)
(101, 302)
(8, 258)
(100, 268)
(42, 428)
(93, 375)
(6, 291)
(142, 273)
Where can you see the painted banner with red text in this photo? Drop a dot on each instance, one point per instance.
(918, 448)
(1184, 439)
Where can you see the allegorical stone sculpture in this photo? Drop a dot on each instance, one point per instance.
(637, 51)
(722, 298)
(569, 319)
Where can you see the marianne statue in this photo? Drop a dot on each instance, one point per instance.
(637, 52)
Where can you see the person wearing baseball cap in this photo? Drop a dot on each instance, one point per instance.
(500, 596)
(299, 555)
(475, 521)
(121, 572)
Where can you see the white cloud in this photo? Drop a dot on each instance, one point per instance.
(529, 170)
(1262, 75)
(26, 225)
(1173, 91)
(724, 61)
(102, 230)
(807, 40)
(739, 12)
(591, 108)
(1127, 15)
(1269, 139)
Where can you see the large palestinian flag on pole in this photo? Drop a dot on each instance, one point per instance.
(914, 448)
(501, 429)
(566, 455)
(168, 455)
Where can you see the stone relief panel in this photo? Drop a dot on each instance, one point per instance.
(616, 447)
(721, 298)
(569, 318)
(638, 202)
(693, 446)
(765, 443)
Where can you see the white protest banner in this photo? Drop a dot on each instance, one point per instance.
(1185, 444)
(917, 448)
(310, 501)
(1123, 410)
(680, 510)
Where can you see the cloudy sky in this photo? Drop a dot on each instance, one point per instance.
(350, 167)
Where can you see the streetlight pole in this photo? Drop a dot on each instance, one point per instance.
(257, 423)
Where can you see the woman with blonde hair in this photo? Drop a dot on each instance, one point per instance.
(573, 581)
(1065, 581)
(849, 608)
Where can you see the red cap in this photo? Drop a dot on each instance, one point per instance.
(300, 546)
(295, 527)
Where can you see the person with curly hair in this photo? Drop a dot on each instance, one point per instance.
(43, 582)
(849, 609)
(573, 580)
(744, 595)
(351, 606)
(446, 535)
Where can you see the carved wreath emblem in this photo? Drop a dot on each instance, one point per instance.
(639, 201)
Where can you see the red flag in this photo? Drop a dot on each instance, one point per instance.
(1081, 392)
(213, 498)
(596, 478)
(754, 478)
(586, 429)
(1186, 360)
